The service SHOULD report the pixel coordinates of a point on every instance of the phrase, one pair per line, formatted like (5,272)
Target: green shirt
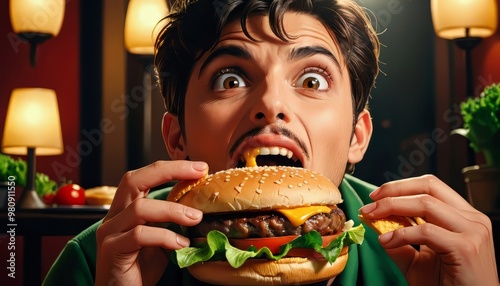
(368,264)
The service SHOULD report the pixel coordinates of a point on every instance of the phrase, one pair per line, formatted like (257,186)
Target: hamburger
(265,226)
(101,195)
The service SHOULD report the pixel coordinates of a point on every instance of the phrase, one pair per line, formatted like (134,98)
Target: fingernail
(199,166)
(374,193)
(368,208)
(192,213)
(182,241)
(386,237)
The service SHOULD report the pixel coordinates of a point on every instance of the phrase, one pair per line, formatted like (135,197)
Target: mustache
(278,130)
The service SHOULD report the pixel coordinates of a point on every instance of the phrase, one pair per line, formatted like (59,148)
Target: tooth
(274,150)
(283,152)
(264,151)
(289,154)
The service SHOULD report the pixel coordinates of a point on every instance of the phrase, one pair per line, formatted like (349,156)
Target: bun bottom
(286,271)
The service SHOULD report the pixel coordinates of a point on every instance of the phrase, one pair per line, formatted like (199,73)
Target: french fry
(391,223)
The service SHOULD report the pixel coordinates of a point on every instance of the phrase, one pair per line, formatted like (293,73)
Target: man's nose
(270,105)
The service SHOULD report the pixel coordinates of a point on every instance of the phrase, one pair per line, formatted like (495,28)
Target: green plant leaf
(482,120)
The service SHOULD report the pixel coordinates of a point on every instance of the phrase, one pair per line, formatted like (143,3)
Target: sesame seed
(214,196)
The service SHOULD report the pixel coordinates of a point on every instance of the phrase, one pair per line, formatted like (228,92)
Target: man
(295,75)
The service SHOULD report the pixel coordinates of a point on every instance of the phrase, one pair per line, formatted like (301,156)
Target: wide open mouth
(269,156)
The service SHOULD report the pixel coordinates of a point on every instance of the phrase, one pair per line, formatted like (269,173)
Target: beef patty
(267,224)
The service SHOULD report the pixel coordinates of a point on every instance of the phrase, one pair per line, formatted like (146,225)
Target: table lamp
(141,25)
(32,128)
(36,21)
(465,22)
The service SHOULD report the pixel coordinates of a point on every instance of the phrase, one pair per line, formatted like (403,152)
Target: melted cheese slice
(251,157)
(298,216)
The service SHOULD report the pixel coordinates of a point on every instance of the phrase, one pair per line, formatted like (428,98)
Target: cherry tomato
(48,198)
(70,194)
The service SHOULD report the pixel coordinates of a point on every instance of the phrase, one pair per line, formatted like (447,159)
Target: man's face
(289,100)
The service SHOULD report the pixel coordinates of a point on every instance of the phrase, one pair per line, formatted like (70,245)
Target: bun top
(255,188)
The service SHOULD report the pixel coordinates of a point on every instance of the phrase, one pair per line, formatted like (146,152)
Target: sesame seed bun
(256,188)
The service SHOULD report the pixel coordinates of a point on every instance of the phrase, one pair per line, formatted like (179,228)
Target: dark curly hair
(194,27)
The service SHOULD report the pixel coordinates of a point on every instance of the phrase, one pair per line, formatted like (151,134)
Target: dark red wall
(486,66)
(486,59)
(57,68)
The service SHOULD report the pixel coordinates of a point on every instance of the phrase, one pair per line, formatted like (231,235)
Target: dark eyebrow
(223,51)
(310,51)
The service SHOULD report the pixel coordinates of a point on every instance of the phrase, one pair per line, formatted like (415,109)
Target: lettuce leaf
(217,247)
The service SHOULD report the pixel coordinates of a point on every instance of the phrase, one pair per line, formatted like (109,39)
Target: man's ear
(361,137)
(172,135)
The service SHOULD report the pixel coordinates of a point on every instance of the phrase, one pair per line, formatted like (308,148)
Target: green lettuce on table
(18,169)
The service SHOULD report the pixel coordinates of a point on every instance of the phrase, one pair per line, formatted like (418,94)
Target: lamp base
(31,200)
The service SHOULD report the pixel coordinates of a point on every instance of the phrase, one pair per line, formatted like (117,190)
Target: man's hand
(129,250)
(456,243)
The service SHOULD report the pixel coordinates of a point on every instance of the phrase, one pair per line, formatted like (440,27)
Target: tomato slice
(274,243)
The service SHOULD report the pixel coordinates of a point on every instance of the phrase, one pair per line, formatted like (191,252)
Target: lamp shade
(32,121)
(141,27)
(451,18)
(37,16)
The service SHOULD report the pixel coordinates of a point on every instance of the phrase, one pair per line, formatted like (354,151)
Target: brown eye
(312,80)
(228,80)
(231,82)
